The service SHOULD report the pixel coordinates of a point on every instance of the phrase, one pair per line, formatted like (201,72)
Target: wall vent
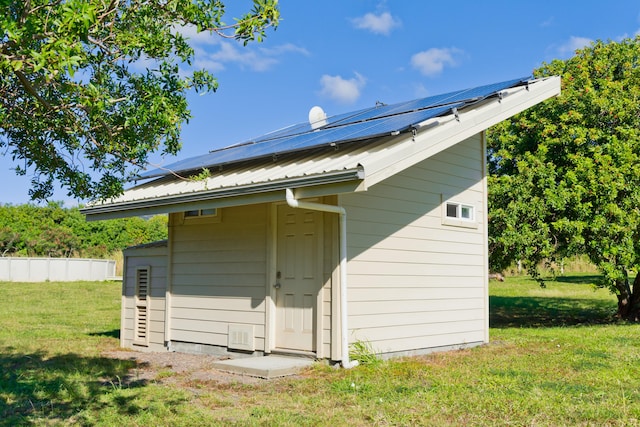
(141,310)
(241,337)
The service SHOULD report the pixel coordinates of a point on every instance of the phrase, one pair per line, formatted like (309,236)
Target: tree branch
(31,90)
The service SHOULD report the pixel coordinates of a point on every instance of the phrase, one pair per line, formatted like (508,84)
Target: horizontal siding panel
(466,153)
(428,342)
(209,327)
(208,303)
(126,334)
(377,216)
(456,237)
(155,262)
(199,337)
(423,320)
(157,326)
(402,211)
(407,294)
(412,331)
(192,256)
(219,280)
(156,315)
(445,174)
(393,281)
(456,162)
(218,233)
(436,182)
(221,291)
(358,308)
(229,316)
(374,268)
(219,268)
(207,338)
(326,324)
(158,291)
(413,255)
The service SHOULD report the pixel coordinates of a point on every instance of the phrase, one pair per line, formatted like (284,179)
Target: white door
(297,279)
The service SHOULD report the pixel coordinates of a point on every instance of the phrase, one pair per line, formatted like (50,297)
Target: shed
(366,226)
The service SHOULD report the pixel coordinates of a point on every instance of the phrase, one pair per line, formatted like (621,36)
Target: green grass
(556,357)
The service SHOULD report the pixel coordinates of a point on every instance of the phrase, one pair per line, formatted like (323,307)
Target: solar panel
(381,120)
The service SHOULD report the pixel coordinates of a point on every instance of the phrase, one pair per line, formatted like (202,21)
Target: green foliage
(364,353)
(90,88)
(54,231)
(565,175)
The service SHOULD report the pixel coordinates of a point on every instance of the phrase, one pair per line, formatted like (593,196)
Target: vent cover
(141,315)
(241,337)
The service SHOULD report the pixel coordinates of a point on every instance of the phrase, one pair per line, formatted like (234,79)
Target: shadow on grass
(542,312)
(579,279)
(115,333)
(34,387)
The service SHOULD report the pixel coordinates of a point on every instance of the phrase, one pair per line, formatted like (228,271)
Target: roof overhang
(204,198)
(347,168)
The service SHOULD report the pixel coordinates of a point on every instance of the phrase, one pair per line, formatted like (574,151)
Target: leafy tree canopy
(54,231)
(565,175)
(90,88)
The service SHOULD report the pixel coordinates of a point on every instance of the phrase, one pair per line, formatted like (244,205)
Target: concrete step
(271,366)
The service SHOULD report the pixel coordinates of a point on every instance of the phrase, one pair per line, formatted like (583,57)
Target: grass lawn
(555,358)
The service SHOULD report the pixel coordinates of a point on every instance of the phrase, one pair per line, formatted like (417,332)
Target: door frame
(270,294)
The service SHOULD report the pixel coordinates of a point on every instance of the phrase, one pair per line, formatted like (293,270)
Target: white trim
(450,130)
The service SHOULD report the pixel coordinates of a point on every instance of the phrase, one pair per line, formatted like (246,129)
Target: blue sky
(346,55)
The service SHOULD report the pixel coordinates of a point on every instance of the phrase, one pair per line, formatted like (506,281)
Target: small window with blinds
(199,216)
(141,316)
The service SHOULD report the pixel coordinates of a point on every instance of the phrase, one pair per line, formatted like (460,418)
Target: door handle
(277,284)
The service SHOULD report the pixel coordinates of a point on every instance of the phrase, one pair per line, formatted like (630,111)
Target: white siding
(155,258)
(218,275)
(415,283)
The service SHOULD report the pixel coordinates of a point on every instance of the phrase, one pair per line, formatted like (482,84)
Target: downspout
(294,203)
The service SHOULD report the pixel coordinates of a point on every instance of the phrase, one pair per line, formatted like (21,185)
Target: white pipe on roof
(294,203)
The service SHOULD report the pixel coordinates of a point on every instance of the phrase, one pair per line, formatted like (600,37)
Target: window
(460,211)
(201,212)
(201,216)
(458,214)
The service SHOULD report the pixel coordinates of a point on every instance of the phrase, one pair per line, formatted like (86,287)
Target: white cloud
(190,32)
(229,53)
(574,43)
(232,52)
(378,24)
(432,61)
(340,89)
(283,49)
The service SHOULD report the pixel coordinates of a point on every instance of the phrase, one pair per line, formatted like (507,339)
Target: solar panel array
(381,120)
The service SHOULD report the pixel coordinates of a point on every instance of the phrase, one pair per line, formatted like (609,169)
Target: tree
(90,88)
(55,231)
(565,175)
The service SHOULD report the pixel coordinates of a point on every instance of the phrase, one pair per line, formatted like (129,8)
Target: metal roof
(327,168)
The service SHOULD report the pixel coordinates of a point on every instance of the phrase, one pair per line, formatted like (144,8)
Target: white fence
(55,269)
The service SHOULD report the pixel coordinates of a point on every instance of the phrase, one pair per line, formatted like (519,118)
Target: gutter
(294,203)
(155,201)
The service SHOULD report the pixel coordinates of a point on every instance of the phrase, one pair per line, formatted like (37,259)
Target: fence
(56,269)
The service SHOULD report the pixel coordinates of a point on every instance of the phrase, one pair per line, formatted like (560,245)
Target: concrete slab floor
(268,367)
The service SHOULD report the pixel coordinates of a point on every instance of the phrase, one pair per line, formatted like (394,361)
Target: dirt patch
(178,368)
